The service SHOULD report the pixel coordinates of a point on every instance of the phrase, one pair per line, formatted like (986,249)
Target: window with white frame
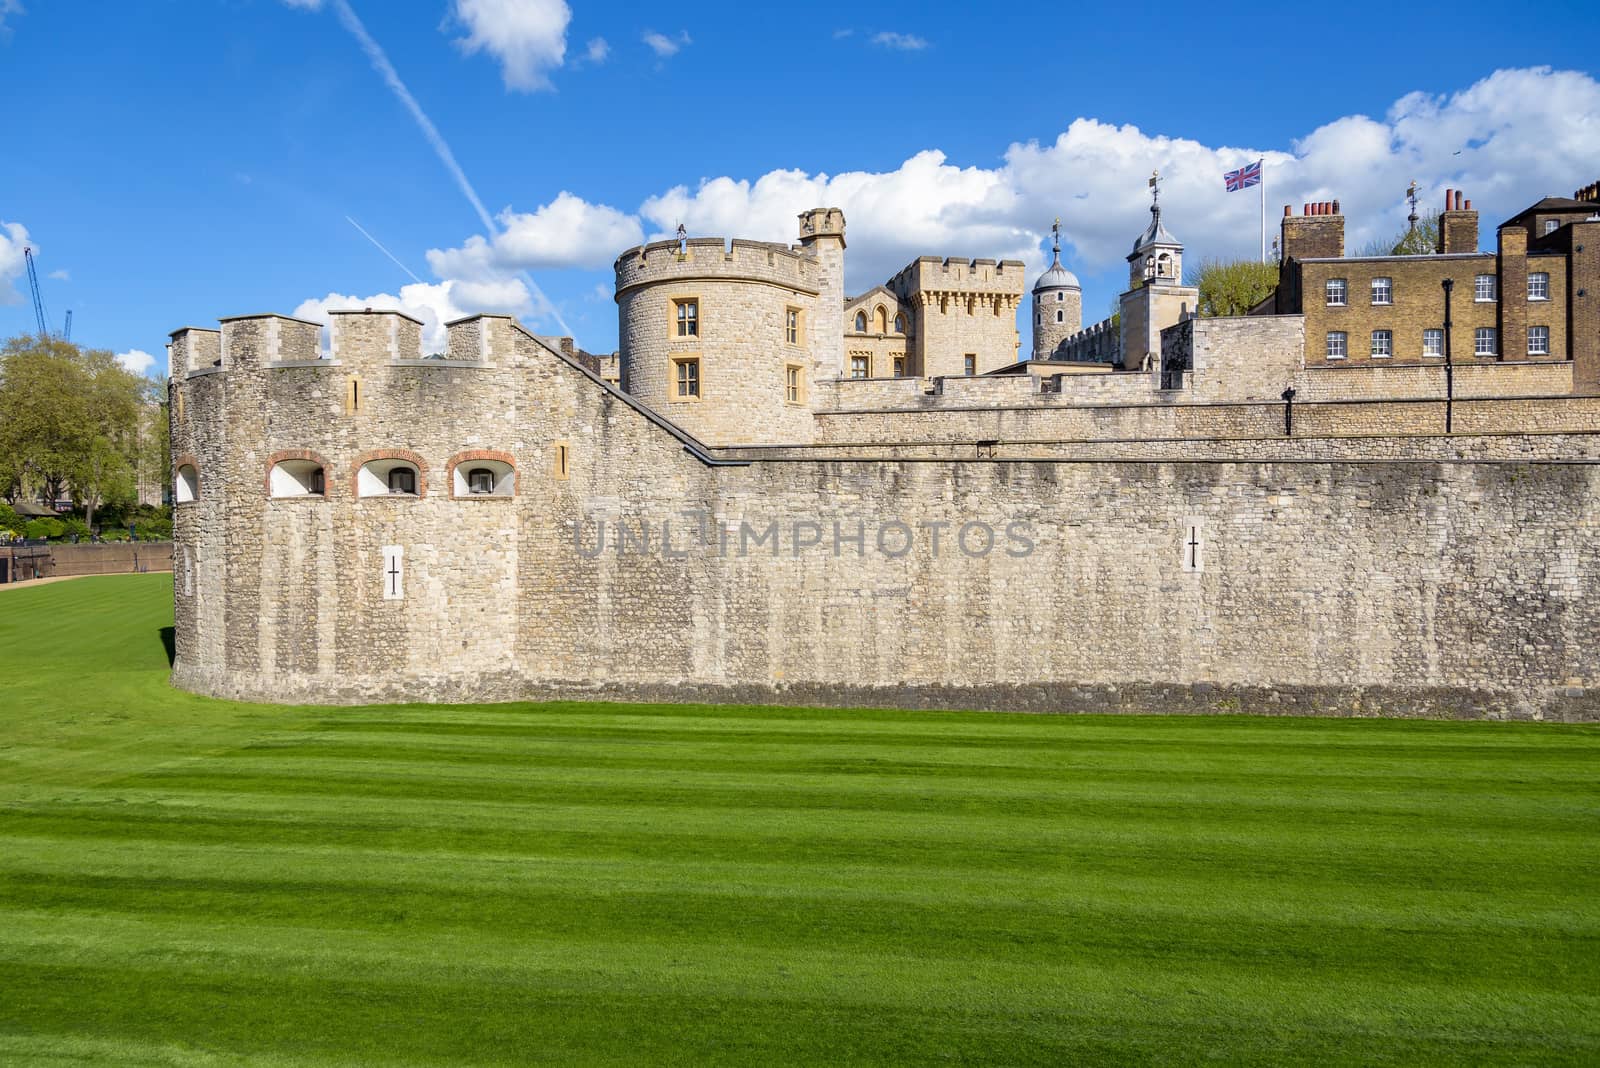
(1483,341)
(1539,286)
(1383,291)
(1538,341)
(1551,225)
(1433,342)
(1382,344)
(860,367)
(1336,291)
(1483,287)
(1336,344)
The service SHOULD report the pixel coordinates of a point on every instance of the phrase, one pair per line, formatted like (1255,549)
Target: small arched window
(1061,316)
(402,481)
(483,475)
(861,322)
(297,478)
(391,474)
(186,489)
(899,324)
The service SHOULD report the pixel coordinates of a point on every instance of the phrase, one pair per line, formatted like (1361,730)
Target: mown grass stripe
(188,881)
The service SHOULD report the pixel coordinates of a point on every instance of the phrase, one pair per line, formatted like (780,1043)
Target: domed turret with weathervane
(1057,303)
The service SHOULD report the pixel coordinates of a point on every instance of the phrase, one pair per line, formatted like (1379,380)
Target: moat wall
(1397,587)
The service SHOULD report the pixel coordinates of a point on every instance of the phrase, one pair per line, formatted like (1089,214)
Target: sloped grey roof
(1155,233)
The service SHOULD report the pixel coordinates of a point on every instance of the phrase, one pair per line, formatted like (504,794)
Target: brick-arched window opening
(398,473)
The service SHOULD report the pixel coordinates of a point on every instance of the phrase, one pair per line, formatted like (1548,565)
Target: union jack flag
(1243,178)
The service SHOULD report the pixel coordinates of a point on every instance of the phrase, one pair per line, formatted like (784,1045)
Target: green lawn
(191,881)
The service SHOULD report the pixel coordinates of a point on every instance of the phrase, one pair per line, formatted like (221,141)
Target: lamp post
(1449,366)
(1288,412)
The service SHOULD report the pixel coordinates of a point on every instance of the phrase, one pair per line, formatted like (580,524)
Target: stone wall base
(1556,704)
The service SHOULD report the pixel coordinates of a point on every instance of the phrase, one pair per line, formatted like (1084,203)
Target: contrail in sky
(380,63)
(383,250)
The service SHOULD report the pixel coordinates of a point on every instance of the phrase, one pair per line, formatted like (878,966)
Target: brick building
(1533,299)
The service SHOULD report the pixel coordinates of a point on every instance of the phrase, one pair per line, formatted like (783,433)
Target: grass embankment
(188,880)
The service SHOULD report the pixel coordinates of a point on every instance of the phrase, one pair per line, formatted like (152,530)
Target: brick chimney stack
(1458,224)
(1317,233)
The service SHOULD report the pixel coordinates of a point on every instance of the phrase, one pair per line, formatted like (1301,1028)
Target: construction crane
(38,302)
(66,331)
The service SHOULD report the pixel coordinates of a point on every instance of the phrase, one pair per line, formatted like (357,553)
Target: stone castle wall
(1450,587)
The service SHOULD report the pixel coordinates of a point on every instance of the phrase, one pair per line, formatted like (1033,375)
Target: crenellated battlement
(1100,343)
(955,275)
(715,258)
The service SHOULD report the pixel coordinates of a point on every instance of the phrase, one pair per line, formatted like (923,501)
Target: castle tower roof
(1155,235)
(1057,276)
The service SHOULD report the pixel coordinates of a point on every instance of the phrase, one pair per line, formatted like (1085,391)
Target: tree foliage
(1423,241)
(71,421)
(1232,287)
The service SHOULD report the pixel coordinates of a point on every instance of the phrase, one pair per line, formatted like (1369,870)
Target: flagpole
(1263,209)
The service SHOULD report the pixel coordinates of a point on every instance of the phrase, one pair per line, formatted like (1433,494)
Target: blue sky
(178,160)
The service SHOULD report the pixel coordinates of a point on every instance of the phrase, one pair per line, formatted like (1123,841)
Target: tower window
(480,476)
(861,322)
(860,366)
(899,366)
(1061,316)
(969,363)
(390,476)
(297,478)
(187,488)
(402,481)
(899,324)
(1060,297)
(686,378)
(793,384)
(791,326)
(686,314)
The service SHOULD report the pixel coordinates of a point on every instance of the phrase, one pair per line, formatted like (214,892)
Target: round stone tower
(727,338)
(1057,303)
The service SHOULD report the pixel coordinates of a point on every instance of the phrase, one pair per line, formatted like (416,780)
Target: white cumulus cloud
(596,50)
(136,360)
(567,232)
(13,239)
(528,37)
